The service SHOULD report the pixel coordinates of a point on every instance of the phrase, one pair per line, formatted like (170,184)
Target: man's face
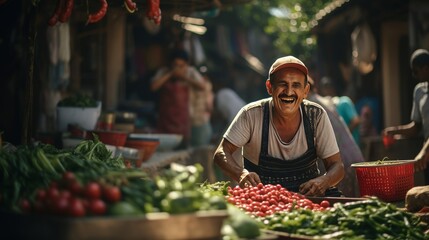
(288,89)
(179,67)
(421,73)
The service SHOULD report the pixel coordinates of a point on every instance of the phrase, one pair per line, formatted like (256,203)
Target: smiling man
(282,137)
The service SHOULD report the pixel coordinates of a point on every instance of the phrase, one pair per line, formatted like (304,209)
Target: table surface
(161,159)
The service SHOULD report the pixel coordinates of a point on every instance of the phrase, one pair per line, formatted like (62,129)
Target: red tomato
(68,177)
(25,206)
(252,194)
(273,201)
(65,194)
(264,208)
(76,208)
(41,194)
(85,203)
(97,207)
(75,188)
(112,194)
(61,205)
(52,193)
(93,190)
(325,204)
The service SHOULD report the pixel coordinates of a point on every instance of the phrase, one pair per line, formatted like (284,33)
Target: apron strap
(265,129)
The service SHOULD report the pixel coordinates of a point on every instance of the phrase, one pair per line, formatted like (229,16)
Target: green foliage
(289,29)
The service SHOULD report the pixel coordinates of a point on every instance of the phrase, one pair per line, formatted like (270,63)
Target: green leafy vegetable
(78,100)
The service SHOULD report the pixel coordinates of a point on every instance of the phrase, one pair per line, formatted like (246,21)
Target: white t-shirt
(246,131)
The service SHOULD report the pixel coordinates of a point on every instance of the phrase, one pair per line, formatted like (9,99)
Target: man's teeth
(288,100)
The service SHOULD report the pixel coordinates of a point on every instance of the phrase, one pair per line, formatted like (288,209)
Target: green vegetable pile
(367,219)
(87,180)
(178,192)
(27,168)
(78,100)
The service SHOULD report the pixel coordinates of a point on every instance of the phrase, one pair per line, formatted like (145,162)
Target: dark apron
(291,173)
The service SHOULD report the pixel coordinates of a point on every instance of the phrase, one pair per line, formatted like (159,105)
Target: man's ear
(307,89)
(269,87)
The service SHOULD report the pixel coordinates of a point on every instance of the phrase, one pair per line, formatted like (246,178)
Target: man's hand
(179,71)
(314,187)
(249,179)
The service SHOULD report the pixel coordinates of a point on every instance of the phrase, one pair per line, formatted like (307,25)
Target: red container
(387,180)
(148,146)
(115,138)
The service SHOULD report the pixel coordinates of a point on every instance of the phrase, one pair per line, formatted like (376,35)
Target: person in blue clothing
(345,107)
(419,125)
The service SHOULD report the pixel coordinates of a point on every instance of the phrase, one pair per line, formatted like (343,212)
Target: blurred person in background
(174,83)
(349,150)
(419,125)
(228,103)
(283,136)
(367,127)
(201,108)
(345,107)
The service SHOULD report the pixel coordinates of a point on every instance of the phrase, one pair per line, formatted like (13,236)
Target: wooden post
(30,34)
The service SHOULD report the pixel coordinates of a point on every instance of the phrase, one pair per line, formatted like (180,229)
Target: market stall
(86,193)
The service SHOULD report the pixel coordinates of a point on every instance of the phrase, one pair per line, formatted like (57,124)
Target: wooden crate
(199,225)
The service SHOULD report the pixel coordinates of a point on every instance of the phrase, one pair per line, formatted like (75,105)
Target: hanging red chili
(95,17)
(65,14)
(153,11)
(130,6)
(54,18)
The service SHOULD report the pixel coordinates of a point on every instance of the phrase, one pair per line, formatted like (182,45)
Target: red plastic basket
(387,180)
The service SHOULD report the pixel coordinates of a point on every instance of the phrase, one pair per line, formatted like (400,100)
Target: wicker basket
(387,180)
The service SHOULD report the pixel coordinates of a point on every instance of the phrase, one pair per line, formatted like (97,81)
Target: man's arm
(334,174)
(408,130)
(223,158)
(354,123)
(158,81)
(195,79)
(422,158)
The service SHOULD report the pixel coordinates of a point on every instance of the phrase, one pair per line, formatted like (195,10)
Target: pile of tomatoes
(68,197)
(264,200)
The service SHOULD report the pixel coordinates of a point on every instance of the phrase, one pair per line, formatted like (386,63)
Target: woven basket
(387,180)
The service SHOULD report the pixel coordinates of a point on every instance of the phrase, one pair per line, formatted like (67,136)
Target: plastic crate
(387,180)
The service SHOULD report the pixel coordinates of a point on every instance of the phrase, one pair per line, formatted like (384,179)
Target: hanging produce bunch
(64,8)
